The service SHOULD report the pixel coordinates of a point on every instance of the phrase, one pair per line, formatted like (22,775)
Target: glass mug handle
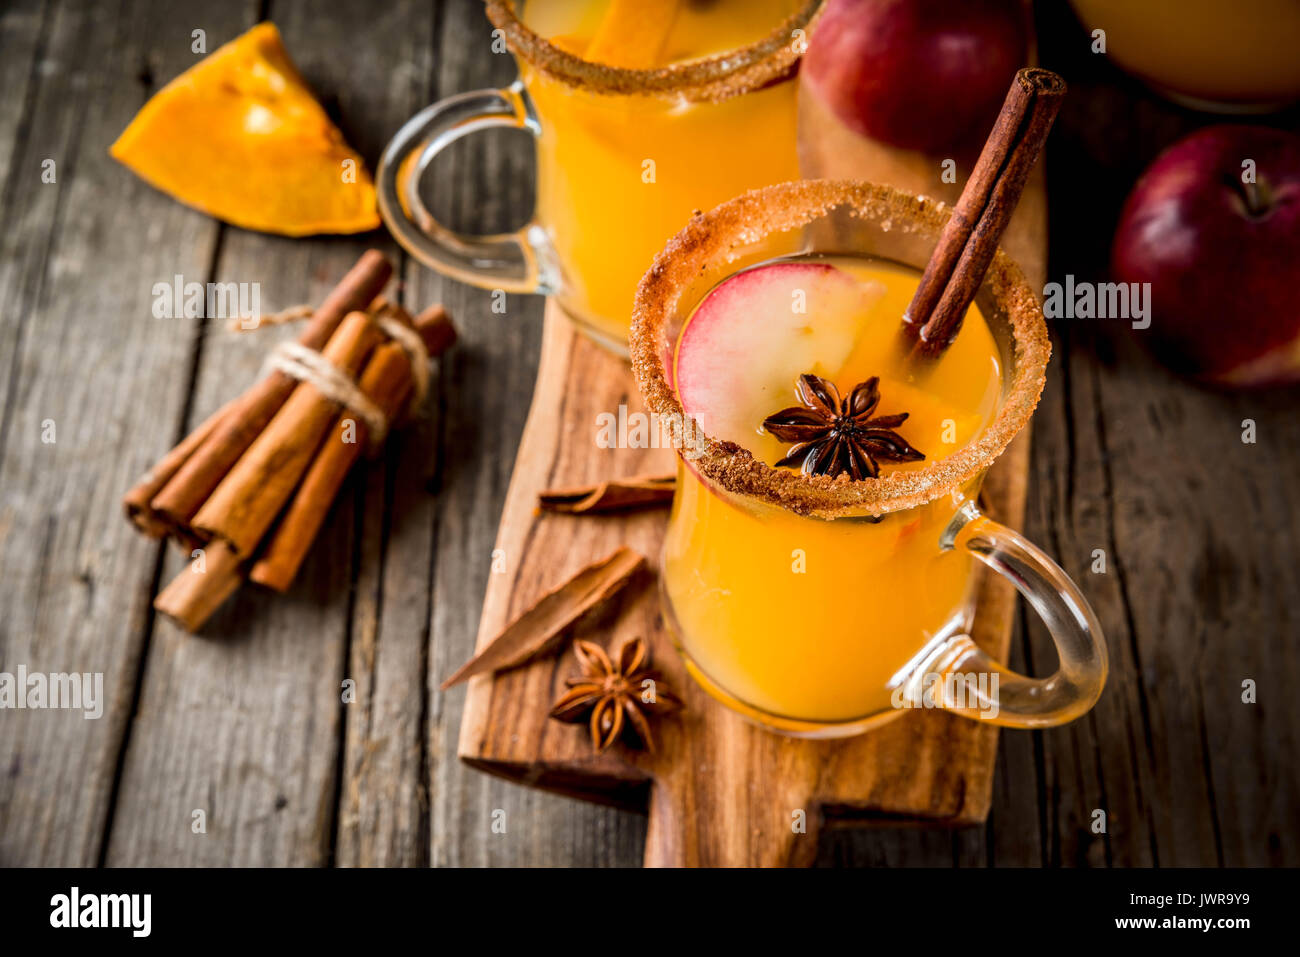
(988,690)
(518,262)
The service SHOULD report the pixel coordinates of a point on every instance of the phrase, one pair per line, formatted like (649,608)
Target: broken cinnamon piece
(200,589)
(539,628)
(616,495)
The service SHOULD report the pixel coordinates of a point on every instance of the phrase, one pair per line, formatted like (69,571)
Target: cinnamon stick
(615,495)
(136,501)
(247,500)
(198,475)
(539,629)
(387,381)
(199,590)
(968,241)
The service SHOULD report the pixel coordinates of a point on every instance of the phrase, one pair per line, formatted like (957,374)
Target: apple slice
(755,334)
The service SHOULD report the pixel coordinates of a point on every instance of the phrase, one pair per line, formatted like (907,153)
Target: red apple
(1222,255)
(921,74)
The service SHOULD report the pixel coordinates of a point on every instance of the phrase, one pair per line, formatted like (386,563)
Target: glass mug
(623,159)
(879,621)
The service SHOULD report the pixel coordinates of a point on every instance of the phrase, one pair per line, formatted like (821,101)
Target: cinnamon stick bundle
(174,490)
(968,241)
(265,481)
(246,501)
(387,382)
(254,482)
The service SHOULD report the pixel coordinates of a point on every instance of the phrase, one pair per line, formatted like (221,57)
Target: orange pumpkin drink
(642,112)
(772,359)
(817,569)
(616,178)
(619,174)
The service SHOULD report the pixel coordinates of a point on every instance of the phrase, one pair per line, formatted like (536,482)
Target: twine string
(307,365)
(416,352)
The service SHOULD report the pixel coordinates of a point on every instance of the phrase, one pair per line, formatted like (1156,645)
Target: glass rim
(712,238)
(713,78)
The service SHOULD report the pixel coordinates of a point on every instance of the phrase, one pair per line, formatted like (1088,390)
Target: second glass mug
(623,159)
(879,620)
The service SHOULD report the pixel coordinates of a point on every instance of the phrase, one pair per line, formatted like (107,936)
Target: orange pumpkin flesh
(240,137)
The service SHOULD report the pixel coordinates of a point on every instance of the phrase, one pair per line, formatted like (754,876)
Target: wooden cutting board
(719,791)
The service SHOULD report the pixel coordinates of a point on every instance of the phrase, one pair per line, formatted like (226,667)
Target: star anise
(835,435)
(614,698)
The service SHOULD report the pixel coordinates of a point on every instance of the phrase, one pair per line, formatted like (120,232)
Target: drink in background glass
(820,605)
(1241,56)
(643,111)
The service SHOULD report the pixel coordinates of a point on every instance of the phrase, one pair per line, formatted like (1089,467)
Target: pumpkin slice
(240,137)
(633,33)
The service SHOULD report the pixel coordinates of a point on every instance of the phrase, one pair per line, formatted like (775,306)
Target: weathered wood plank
(246,721)
(1206,527)
(85,358)
(23,34)
(485,184)
(1090,766)
(1199,530)
(383,811)
(1012,835)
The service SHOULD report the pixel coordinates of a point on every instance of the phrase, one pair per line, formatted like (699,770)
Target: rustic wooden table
(1200,531)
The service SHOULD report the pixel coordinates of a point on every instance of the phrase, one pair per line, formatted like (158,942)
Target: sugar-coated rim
(709,79)
(713,238)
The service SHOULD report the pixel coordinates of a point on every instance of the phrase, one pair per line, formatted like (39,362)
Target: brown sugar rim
(709,79)
(718,237)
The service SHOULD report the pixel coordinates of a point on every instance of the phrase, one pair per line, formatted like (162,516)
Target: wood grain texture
(84,356)
(24,34)
(1201,585)
(487,184)
(404,798)
(383,809)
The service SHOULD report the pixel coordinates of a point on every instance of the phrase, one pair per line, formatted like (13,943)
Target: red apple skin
(1225,281)
(920,74)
